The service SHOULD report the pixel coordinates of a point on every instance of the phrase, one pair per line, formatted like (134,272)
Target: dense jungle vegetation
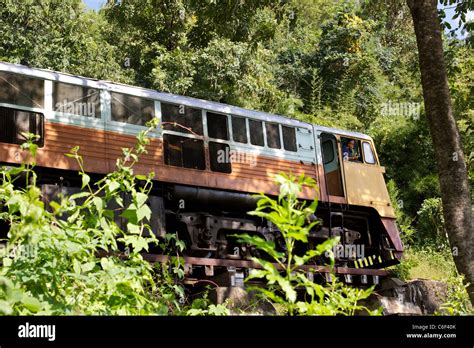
(350,65)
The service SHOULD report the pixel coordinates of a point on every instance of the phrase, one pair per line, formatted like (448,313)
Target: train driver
(349,153)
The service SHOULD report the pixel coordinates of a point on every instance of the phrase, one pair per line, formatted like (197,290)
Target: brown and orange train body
(201,152)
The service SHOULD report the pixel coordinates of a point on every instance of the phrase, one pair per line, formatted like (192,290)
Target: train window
(181,118)
(239,129)
(351,150)
(13,122)
(289,138)
(21,90)
(184,152)
(217,126)
(256,132)
(368,153)
(76,100)
(328,152)
(219,155)
(273,135)
(131,109)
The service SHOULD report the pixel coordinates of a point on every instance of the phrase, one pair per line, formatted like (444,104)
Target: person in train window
(349,153)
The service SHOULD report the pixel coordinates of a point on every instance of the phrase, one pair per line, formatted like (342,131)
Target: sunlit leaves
(57,259)
(284,275)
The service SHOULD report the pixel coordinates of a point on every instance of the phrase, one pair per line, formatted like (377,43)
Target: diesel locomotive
(208,159)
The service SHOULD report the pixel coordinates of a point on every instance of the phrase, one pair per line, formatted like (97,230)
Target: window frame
(263,132)
(279,135)
(283,138)
(39,131)
(325,161)
(89,118)
(247,135)
(182,155)
(227,125)
(122,123)
(187,134)
(359,141)
(34,103)
(371,151)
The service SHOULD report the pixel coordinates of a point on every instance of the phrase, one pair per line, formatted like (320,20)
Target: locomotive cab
(352,184)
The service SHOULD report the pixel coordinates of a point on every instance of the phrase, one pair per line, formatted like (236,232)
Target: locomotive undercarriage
(211,234)
(207,220)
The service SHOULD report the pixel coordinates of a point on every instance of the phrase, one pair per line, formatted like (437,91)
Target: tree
(57,35)
(457,206)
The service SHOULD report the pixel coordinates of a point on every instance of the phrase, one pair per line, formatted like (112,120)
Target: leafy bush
(283,275)
(203,306)
(404,222)
(403,269)
(427,263)
(458,302)
(56,267)
(430,224)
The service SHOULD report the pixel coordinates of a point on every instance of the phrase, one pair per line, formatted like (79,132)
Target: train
(209,159)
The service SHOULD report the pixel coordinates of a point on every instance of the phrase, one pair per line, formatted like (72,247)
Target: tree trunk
(449,155)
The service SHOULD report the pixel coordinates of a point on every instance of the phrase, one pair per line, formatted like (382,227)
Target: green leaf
(106,263)
(257,274)
(88,266)
(141,199)
(139,244)
(132,228)
(7,262)
(85,179)
(112,185)
(76,266)
(130,215)
(31,303)
(5,307)
(98,203)
(55,205)
(290,293)
(143,212)
(119,201)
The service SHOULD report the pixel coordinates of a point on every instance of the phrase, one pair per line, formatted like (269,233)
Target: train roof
(167,97)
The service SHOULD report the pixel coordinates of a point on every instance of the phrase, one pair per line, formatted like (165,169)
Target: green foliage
(58,267)
(458,302)
(403,269)
(428,262)
(202,306)
(328,63)
(430,224)
(404,222)
(283,274)
(349,69)
(431,263)
(14,299)
(58,35)
(408,153)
